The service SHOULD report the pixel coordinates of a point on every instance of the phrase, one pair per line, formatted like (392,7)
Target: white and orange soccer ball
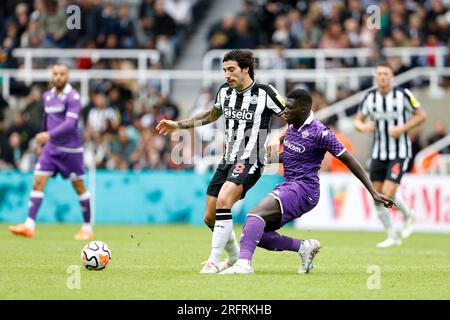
(95,255)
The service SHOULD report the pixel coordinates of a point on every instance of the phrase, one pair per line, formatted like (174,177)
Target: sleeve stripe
(341,153)
(275,96)
(280,113)
(72,115)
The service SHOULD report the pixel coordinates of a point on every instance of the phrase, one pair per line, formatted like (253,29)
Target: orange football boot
(22,230)
(84,235)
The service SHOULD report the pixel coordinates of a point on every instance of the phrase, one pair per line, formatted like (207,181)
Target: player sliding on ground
(248,107)
(305,144)
(62,152)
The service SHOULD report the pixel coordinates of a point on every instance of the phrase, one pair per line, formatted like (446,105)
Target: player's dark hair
(244,59)
(60,64)
(384,64)
(300,96)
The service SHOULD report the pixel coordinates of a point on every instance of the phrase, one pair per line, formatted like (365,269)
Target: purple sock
(251,234)
(276,242)
(86,207)
(35,202)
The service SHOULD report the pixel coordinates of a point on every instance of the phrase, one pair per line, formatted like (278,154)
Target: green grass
(162,262)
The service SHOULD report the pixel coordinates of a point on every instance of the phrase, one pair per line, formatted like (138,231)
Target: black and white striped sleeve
(364,105)
(218,100)
(275,101)
(411,102)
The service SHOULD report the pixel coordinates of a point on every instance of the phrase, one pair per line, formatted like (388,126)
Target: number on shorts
(239,168)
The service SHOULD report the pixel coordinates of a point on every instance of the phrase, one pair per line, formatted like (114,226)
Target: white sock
(30,223)
(385,218)
(244,262)
(221,234)
(402,207)
(86,227)
(232,247)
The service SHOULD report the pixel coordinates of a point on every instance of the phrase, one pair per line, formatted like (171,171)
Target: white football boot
(307,255)
(225,265)
(238,269)
(209,267)
(390,242)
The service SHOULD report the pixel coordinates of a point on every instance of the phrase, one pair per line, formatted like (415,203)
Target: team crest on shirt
(305,133)
(254,99)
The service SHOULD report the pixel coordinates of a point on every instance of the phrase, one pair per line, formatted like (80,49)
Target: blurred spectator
(351,27)
(53,23)
(109,24)
(169,110)
(33,35)
(127,116)
(126,28)
(437,23)
(33,112)
(164,30)
(222,34)
(439,132)
(282,33)
(147,153)
(102,118)
(244,37)
(333,38)
(180,11)
(25,132)
(11,151)
(21,18)
(121,150)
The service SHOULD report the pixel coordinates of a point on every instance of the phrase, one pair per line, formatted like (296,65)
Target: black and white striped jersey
(247,120)
(393,109)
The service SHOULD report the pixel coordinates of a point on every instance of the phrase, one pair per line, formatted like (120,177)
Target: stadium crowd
(119,130)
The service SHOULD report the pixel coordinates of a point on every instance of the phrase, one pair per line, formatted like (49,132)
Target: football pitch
(163,261)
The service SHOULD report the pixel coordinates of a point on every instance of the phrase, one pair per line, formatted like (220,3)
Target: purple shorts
(294,199)
(67,161)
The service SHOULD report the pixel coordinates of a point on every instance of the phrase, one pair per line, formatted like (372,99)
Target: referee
(393,111)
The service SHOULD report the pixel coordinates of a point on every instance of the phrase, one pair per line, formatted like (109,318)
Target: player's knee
(223,202)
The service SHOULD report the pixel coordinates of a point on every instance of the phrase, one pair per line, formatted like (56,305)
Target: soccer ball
(95,255)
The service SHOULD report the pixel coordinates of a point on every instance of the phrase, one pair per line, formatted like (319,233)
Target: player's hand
(369,127)
(166,126)
(386,201)
(42,137)
(396,132)
(272,147)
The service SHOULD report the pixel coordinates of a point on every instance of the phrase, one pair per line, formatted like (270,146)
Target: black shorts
(393,170)
(239,173)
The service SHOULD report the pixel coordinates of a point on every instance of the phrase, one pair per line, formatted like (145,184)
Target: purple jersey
(304,149)
(61,113)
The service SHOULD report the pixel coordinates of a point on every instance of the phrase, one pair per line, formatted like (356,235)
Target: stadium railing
(362,55)
(331,78)
(142,56)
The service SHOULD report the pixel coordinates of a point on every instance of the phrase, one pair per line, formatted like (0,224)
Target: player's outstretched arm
(357,169)
(168,126)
